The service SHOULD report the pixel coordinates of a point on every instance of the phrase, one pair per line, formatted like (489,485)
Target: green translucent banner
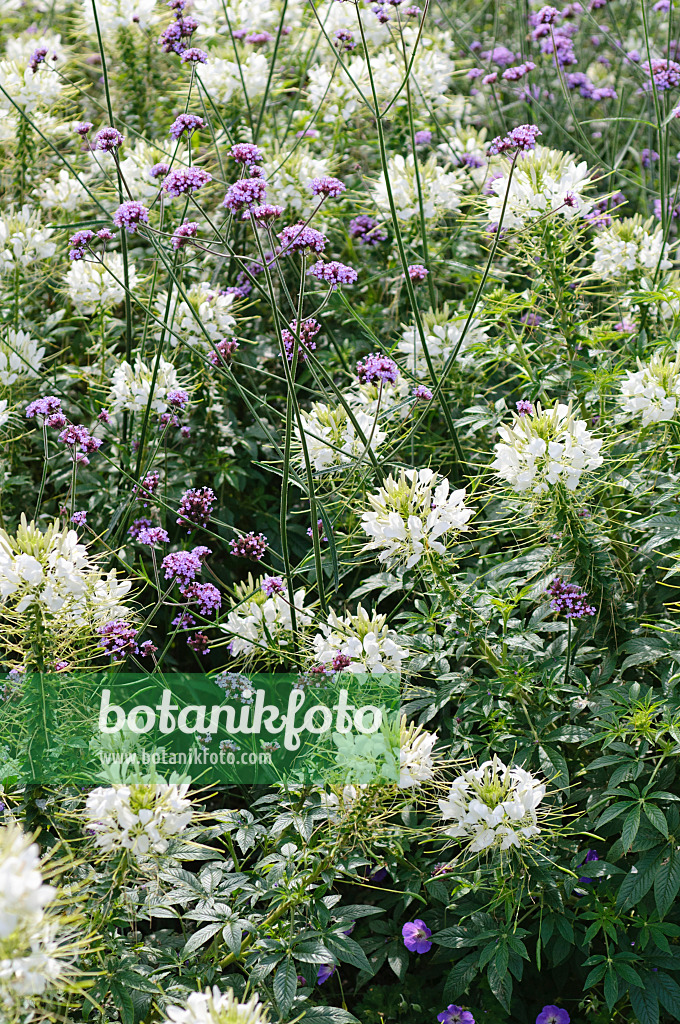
(104,728)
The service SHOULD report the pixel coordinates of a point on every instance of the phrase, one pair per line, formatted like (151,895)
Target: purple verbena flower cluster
(569,599)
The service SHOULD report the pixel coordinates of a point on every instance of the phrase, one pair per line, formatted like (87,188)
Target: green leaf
(200,937)
(233,936)
(645,1005)
(460,976)
(501,986)
(285,986)
(611,988)
(667,883)
(328,1015)
(640,879)
(667,992)
(631,825)
(554,766)
(656,816)
(348,950)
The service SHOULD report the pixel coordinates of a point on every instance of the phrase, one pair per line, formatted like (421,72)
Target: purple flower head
(319,530)
(199,643)
(205,595)
(184,566)
(83,128)
(521,138)
(297,238)
(195,507)
(105,234)
(553,1015)
(130,215)
(266,213)
(185,180)
(308,331)
(531,319)
(590,856)
(79,243)
(273,585)
(661,6)
(664,73)
(524,407)
(490,78)
(184,621)
(474,73)
(246,153)
(148,486)
(185,124)
(76,436)
(138,526)
(366,230)
(672,210)
(416,935)
(413,12)
(225,350)
(325,972)
(152,535)
(108,139)
(340,662)
(376,368)
(417,272)
(422,393)
(327,186)
(118,637)
(181,235)
(159,170)
(147,649)
(569,599)
(345,40)
(194,56)
(500,55)
(423,137)
(250,545)
(258,38)
(178,398)
(333,273)
(455,1015)
(246,192)
(519,71)
(648,157)
(79,518)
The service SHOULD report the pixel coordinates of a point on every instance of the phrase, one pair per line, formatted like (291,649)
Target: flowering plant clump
(383,300)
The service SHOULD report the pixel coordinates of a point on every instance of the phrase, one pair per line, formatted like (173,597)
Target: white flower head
(359,643)
(544,181)
(131,386)
(64,193)
(20,357)
(140,818)
(222,78)
(411,514)
(259,624)
(96,287)
(493,806)
(416,763)
(629,247)
(114,15)
(443,332)
(544,448)
(215,1007)
(29,89)
(441,189)
(208,307)
(23,240)
(653,391)
(332,439)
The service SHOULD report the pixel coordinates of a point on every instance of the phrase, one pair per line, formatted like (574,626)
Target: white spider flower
(136,163)
(222,78)
(544,448)
(384,400)
(416,763)
(20,357)
(251,15)
(131,386)
(23,240)
(544,181)
(63,193)
(653,391)
(339,802)
(140,818)
(33,940)
(96,287)
(331,437)
(359,643)
(493,806)
(29,89)
(22,47)
(208,307)
(443,332)
(410,514)
(289,180)
(53,571)
(629,246)
(114,15)
(441,189)
(259,623)
(215,1007)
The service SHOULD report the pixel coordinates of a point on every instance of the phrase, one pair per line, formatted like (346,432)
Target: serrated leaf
(328,1015)
(285,986)
(667,883)
(667,992)
(348,950)
(200,938)
(631,824)
(645,1005)
(501,986)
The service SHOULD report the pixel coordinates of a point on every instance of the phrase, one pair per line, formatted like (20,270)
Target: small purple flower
(413,11)
(83,128)
(522,138)
(366,230)
(417,272)
(524,407)
(246,153)
(258,38)
(266,213)
(377,368)
(205,595)
(148,486)
(569,599)
(422,393)
(327,186)
(648,157)
(76,436)
(185,124)
(79,518)
(455,1015)
(273,585)
(333,273)
(325,972)
(178,398)
(345,40)
(297,238)
(423,138)
(514,74)
(153,535)
(553,1015)
(193,55)
(225,350)
(199,643)
(664,73)
(185,181)
(184,566)
(118,637)
(181,235)
(147,649)
(530,319)
(319,530)
(195,507)
(308,331)
(79,243)
(105,235)
(490,78)
(246,192)
(416,935)
(250,545)
(138,526)
(108,139)
(130,215)
(159,170)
